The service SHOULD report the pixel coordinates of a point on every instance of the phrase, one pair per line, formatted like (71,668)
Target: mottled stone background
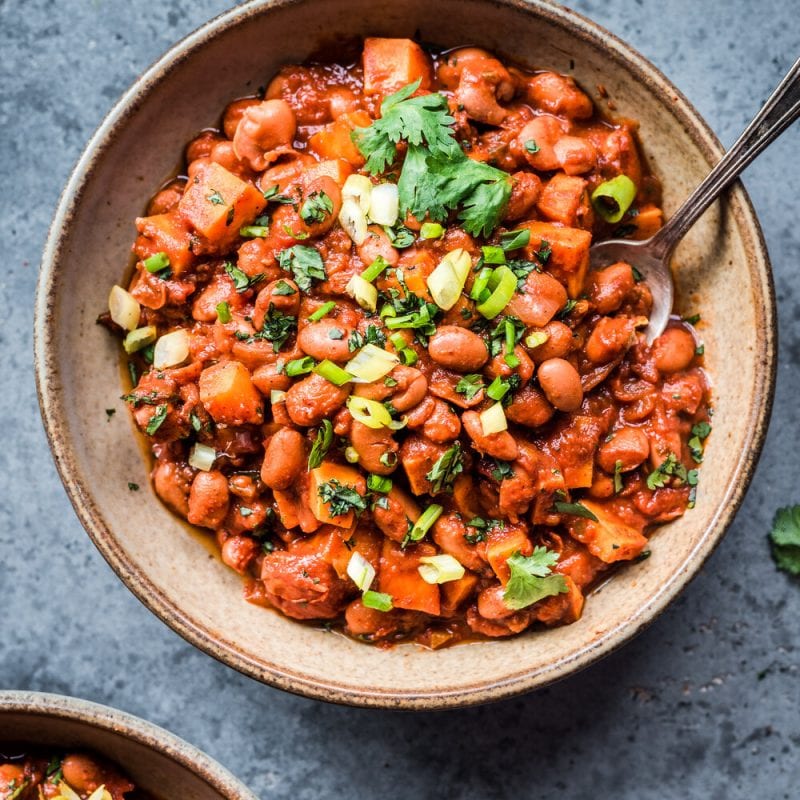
(705,704)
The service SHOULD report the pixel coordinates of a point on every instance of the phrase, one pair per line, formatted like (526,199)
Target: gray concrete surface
(705,704)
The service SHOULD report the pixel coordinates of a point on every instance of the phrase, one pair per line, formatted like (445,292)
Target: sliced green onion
(141,337)
(387,311)
(202,457)
(388,459)
(360,571)
(511,341)
(375,269)
(353,220)
(398,340)
(493,254)
(503,284)
(384,204)
(171,349)
(363,292)
(513,240)
(440,569)
(481,284)
(611,199)
(322,311)
(223,312)
(123,308)
(493,420)
(447,281)
(377,600)
(408,357)
(536,339)
(351,455)
(369,412)
(332,372)
(156,262)
(299,366)
(378,483)
(371,363)
(358,188)
(498,389)
(254,231)
(424,523)
(431,230)
(277,396)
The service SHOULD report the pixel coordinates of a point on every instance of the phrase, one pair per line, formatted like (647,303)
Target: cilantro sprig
(785,539)
(532,579)
(304,263)
(436,176)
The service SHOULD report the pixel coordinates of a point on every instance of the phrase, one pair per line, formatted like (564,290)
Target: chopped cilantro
(531,578)
(617,477)
(304,263)
(283,289)
(502,470)
(216,198)
(700,433)
(470,385)
(240,280)
(110,412)
(544,252)
(321,445)
(531,146)
(449,465)
(133,487)
(575,509)
(372,335)
(669,468)
(316,207)
(341,499)
(156,419)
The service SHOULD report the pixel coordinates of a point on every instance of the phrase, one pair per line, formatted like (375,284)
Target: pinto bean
(498,366)
(558,344)
(443,424)
(239,552)
(276,295)
(525,190)
(263,132)
(558,94)
(372,444)
(609,338)
(575,155)
(529,407)
(498,445)
(610,287)
(325,339)
(561,384)
(412,386)
(542,133)
(284,459)
(313,399)
(81,772)
(541,299)
(628,446)
(491,604)
(458,349)
(222,153)
(673,350)
(172,486)
(234,112)
(377,244)
(449,533)
(219,290)
(400,513)
(482,82)
(266,378)
(209,499)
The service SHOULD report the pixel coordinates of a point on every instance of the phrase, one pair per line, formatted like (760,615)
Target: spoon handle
(779,112)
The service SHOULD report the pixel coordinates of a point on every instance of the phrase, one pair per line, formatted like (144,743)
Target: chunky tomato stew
(30,774)
(370,356)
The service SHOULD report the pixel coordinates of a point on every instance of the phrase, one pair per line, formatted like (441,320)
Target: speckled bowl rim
(491,689)
(104,718)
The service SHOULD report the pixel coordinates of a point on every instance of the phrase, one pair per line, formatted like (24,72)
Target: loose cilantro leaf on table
(531,579)
(785,539)
(304,263)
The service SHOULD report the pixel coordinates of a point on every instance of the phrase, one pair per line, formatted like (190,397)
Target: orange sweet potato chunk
(165,233)
(336,168)
(569,258)
(217,203)
(501,545)
(228,394)
(335,139)
(609,539)
(561,198)
(346,476)
(400,578)
(390,64)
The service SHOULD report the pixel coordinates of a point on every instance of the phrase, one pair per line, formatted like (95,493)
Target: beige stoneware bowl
(156,761)
(724,273)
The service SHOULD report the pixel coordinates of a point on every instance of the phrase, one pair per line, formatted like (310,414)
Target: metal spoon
(651,257)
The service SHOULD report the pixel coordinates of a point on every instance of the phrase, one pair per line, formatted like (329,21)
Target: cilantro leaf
(531,579)
(304,263)
(417,120)
(321,444)
(785,539)
(155,421)
(341,499)
(470,385)
(447,467)
(669,468)
(316,208)
(576,510)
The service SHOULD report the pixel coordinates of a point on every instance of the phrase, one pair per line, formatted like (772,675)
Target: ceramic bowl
(138,146)
(156,761)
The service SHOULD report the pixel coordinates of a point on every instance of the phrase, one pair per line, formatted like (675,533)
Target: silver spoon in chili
(651,256)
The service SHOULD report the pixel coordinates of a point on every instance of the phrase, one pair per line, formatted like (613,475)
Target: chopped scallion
(611,199)
(375,269)
(424,523)
(156,262)
(223,312)
(332,372)
(378,483)
(431,230)
(322,311)
(299,366)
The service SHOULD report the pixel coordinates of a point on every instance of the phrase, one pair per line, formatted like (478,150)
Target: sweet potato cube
(454,593)
(361,540)
(501,545)
(569,252)
(217,203)
(335,139)
(293,508)
(647,222)
(399,577)
(561,609)
(228,394)
(390,64)
(609,539)
(347,477)
(336,168)
(165,233)
(561,198)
